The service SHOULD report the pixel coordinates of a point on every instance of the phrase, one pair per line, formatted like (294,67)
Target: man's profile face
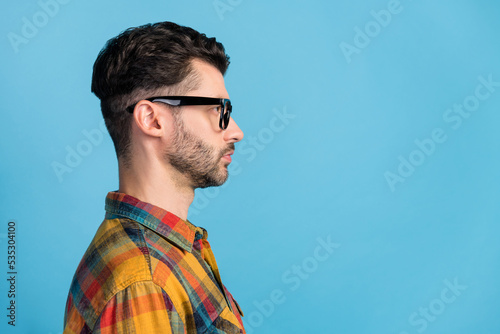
(199,149)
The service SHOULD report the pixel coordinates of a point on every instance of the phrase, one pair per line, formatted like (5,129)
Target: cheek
(203,125)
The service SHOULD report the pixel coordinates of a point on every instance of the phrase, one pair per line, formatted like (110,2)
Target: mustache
(229,148)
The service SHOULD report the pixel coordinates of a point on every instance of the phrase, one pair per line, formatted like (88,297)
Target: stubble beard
(196,160)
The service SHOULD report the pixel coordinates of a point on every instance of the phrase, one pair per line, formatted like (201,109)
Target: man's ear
(148,118)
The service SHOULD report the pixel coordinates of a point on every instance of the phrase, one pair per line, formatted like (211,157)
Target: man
(148,269)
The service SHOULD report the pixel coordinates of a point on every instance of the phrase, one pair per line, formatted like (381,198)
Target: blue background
(319,173)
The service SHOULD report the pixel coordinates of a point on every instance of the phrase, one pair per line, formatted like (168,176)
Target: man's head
(165,59)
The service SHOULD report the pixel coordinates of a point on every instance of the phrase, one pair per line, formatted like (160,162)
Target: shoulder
(116,258)
(118,254)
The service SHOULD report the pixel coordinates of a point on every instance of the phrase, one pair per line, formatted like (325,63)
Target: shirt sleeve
(141,308)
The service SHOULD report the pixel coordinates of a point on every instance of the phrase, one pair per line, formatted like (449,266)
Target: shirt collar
(178,231)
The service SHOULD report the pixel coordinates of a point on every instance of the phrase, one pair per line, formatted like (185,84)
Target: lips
(227,156)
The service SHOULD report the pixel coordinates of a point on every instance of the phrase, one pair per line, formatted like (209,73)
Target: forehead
(211,81)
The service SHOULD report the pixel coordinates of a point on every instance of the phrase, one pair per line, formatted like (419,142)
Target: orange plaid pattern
(148,271)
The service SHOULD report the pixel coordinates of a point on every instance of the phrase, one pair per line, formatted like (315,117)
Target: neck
(152,183)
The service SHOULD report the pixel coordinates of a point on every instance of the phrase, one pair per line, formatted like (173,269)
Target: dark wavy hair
(143,61)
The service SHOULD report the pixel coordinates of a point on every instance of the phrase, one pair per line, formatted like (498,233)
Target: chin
(217,180)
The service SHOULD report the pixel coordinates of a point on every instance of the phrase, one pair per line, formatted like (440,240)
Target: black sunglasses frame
(176,101)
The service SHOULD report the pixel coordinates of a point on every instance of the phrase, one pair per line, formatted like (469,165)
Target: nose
(233,133)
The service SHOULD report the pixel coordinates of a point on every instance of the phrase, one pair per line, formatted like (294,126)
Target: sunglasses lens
(227,114)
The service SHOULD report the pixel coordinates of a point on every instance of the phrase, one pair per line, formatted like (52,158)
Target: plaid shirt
(148,271)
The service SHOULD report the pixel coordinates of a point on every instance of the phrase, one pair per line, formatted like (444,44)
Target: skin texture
(196,159)
(176,151)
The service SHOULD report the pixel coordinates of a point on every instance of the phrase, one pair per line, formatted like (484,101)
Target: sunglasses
(176,101)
